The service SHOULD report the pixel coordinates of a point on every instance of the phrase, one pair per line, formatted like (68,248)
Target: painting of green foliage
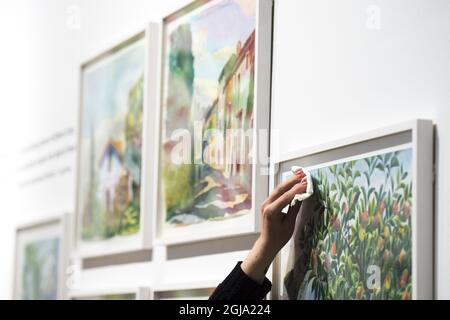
(40,270)
(360,245)
(111,143)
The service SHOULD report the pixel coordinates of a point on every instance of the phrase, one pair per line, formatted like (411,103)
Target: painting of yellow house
(209,71)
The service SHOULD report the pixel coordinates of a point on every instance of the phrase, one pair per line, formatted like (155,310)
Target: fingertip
(299,173)
(299,186)
(299,189)
(295,180)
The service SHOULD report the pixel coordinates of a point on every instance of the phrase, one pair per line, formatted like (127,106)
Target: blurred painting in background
(40,259)
(40,270)
(111,143)
(361,245)
(208,90)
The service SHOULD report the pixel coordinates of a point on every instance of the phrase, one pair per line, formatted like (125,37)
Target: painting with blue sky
(208,85)
(111,143)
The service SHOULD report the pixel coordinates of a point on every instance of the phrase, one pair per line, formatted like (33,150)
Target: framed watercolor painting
(115,136)
(368,232)
(41,259)
(215,102)
(141,293)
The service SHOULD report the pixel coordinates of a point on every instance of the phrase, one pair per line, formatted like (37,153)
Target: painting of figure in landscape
(208,92)
(40,270)
(111,143)
(360,247)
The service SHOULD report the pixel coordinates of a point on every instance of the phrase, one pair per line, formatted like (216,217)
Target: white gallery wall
(340,67)
(334,77)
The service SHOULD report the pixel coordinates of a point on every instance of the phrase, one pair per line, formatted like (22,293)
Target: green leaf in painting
(366,174)
(394,162)
(342,172)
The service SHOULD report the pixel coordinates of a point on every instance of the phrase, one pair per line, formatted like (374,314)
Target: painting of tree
(361,245)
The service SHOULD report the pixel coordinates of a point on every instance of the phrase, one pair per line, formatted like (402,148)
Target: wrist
(259,259)
(266,249)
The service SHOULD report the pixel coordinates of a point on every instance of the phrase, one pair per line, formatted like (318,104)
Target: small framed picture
(367,233)
(41,259)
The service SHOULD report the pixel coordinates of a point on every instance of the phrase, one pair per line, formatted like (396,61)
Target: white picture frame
(250,224)
(54,227)
(143,239)
(139,293)
(420,137)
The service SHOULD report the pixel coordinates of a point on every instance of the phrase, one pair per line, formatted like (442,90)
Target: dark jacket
(238,286)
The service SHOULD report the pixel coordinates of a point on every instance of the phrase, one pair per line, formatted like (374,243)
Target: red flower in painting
(395,207)
(376,220)
(405,295)
(402,256)
(406,209)
(404,278)
(333,249)
(365,217)
(337,224)
(360,292)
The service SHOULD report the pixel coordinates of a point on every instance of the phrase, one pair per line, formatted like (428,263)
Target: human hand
(277,227)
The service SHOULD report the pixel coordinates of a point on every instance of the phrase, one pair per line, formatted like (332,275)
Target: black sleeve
(238,286)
